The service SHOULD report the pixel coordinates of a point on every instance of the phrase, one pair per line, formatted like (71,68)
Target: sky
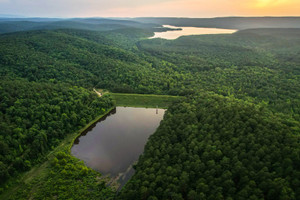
(149,8)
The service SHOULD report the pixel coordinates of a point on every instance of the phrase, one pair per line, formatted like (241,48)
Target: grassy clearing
(143,100)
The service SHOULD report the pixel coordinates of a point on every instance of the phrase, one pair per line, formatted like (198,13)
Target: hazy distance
(151,8)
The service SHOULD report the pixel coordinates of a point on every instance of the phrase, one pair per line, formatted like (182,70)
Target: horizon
(91,17)
(153,8)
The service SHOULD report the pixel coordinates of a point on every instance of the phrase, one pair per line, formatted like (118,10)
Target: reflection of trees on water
(90,128)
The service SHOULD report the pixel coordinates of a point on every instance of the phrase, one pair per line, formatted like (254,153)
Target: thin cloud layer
(135,8)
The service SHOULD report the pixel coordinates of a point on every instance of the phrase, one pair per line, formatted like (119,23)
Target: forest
(36,116)
(232,134)
(212,147)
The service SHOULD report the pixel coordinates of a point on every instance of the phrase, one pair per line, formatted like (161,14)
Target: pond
(112,145)
(174,34)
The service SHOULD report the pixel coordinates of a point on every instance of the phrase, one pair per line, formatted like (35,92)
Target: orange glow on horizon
(212,8)
(151,8)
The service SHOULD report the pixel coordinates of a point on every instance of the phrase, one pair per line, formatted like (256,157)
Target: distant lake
(113,144)
(171,35)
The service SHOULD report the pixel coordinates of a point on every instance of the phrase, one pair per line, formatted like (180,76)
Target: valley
(228,105)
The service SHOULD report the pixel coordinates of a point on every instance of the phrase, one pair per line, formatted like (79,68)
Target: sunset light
(136,8)
(272,3)
(150,100)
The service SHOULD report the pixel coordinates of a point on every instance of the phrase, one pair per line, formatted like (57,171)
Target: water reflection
(113,144)
(171,35)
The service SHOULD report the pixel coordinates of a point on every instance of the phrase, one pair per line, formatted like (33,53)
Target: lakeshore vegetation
(211,147)
(231,130)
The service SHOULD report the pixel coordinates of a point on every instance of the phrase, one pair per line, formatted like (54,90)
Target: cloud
(68,8)
(134,8)
(182,8)
(163,9)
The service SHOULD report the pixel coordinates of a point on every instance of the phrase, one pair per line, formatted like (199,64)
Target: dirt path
(98,93)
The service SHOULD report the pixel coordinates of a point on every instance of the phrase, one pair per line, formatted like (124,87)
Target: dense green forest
(212,147)
(65,178)
(234,134)
(35,117)
(261,65)
(92,24)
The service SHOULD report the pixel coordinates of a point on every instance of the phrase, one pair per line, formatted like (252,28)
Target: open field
(143,100)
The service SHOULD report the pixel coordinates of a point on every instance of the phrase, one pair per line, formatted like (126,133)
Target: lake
(171,35)
(113,144)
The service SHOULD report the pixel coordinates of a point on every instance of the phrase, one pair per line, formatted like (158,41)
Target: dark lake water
(112,145)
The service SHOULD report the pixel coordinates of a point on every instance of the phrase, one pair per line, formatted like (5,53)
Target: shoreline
(39,170)
(89,125)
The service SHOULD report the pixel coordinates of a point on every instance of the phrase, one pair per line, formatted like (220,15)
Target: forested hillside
(211,147)
(239,23)
(8,25)
(234,134)
(36,116)
(258,65)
